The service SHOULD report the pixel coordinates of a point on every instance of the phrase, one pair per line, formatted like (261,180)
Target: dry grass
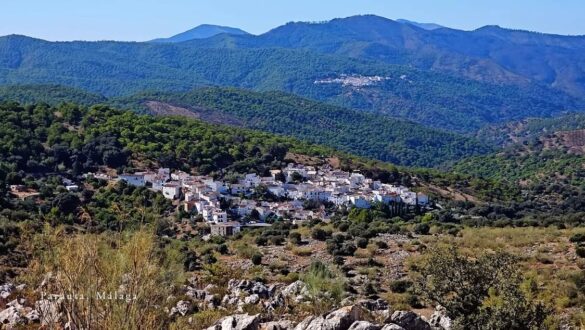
(89,274)
(302,251)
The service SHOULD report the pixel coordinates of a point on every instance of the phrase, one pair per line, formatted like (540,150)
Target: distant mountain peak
(424,26)
(202,31)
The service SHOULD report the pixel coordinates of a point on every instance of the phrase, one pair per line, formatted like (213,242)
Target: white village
(291,188)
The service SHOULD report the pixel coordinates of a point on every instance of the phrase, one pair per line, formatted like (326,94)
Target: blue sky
(147,19)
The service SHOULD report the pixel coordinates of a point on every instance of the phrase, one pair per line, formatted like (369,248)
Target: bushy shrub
(580,251)
(400,286)
(257,259)
(577,238)
(295,238)
(362,243)
(479,292)
(319,234)
(422,229)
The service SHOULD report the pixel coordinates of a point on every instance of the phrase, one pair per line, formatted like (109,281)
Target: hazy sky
(147,19)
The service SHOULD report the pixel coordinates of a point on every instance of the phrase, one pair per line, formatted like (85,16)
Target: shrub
(321,279)
(362,243)
(400,286)
(261,241)
(319,234)
(483,292)
(580,251)
(577,238)
(222,249)
(257,259)
(422,229)
(295,238)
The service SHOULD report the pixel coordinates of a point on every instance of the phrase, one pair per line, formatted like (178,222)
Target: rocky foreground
(238,297)
(345,318)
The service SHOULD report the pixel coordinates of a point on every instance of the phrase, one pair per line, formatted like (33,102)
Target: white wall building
(171,190)
(133,179)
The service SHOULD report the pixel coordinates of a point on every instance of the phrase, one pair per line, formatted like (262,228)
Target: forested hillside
(531,128)
(549,169)
(50,94)
(369,135)
(428,97)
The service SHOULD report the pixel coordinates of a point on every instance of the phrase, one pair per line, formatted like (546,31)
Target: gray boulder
(49,311)
(340,319)
(392,327)
(12,317)
(183,307)
(238,322)
(277,325)
(440,320)
(305,323)
(373,305)
(364,325)
(409,320)
(6,290)
(252,299)
(296,288)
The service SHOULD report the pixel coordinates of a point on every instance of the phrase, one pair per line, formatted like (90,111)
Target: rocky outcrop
(48,311)
(439,319)
(6,290)
(277,325)
(237,322)
(364,325)
(297,291)
(182,308)
(340,319)
(409,320)
(17,314)
(392,327)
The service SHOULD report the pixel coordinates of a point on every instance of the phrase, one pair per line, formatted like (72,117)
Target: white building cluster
(302,183)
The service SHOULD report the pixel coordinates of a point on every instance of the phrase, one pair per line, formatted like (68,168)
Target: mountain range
(490,53)
(202,31)
(330,62)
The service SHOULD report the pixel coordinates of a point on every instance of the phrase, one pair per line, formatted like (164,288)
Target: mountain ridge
(202,31)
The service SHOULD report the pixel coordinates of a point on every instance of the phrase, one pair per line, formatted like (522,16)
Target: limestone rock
(364,325)
(340,319)
(6,290)
(409,320)
(238,322)
(392,327)
(49,311)
(277,325)
(440,320)
(182,308)
(11,316)
(252,299)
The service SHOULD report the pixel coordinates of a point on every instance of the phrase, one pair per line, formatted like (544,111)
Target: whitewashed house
(133,179)
(171,190)
(219,216)
(359,202)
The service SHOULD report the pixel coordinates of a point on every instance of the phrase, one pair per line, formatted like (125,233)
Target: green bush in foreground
(483,292)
